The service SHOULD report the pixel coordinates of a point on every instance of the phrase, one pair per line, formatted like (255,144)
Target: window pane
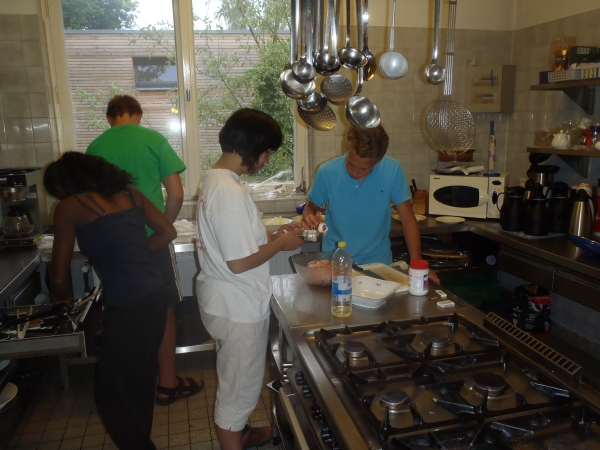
(125,49)
(241,48)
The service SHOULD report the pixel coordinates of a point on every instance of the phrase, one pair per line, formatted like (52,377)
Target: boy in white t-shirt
(234,285)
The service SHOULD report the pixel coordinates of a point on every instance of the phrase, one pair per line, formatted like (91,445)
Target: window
(156,73)
(181,69)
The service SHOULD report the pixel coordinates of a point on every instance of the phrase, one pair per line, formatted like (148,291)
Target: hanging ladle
(392,64)
(435,73)
(371,65)
(361,112)
(351,58)
(289,84)
(303,70)
(328,63)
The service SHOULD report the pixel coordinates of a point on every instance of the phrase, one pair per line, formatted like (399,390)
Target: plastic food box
(371,293)
(564,75)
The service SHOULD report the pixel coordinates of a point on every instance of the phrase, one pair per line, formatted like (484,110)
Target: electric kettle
(17,222)
(583,213)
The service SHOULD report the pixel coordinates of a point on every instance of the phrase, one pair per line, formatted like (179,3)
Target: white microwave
(465,196)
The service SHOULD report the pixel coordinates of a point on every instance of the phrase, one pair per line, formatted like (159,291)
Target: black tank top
(118,245)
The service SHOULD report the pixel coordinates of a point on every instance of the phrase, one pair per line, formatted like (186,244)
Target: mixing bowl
(315,277)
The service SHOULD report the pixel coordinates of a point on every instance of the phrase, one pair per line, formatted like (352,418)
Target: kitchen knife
(412,190)
(414,184)
(366,272)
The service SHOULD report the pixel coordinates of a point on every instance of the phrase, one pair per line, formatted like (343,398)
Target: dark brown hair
(368,144)
(249,133)
(76,173)
(121,104)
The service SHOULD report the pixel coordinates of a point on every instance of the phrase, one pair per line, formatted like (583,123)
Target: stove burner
(488,382)
(355,349)
(439,339)
(566,443)
(392,398)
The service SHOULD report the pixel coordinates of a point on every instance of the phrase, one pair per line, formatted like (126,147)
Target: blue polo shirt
(359,213)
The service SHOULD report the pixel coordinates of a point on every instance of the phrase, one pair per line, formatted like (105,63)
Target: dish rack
(564,75)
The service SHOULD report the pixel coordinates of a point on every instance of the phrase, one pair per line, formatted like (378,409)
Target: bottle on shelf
(341,285)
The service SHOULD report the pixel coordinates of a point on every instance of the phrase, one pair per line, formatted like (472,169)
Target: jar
(418,277)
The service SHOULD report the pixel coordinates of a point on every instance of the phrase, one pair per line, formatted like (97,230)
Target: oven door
(295,432)
(458,196)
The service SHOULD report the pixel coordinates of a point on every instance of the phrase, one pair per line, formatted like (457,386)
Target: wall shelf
(578,160)
(582,92)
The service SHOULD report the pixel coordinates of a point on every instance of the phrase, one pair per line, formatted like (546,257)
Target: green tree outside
(98,14)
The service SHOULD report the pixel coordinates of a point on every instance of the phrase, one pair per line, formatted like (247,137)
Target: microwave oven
(465,196)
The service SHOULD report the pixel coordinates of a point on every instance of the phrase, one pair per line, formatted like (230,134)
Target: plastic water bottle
(341,286)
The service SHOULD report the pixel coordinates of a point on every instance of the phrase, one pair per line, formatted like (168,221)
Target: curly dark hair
(121,104)
(368,144)
(249,133)
(76,173)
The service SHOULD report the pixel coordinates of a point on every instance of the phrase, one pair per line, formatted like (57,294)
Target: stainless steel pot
(543,174)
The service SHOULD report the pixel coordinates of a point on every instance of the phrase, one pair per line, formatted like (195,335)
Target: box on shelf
(589,70)
(564,75)
(581,54)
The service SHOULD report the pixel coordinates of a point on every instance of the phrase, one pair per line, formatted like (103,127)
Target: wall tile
(30,27)
(36,81)
(15,104)
(4,162)
(2,132)
(41,130)
(21,155)
(18,131)
(13,79)
(12,54)
(38,103)
(32,53)
(10,29)
(44,154)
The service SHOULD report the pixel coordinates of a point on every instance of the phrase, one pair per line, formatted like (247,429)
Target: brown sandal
(178,392)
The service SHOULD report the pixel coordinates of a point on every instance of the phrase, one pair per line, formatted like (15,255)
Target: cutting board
(387,273)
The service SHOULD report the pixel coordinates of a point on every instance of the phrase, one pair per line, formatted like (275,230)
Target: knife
(414,183)
(366,272)
(412,190)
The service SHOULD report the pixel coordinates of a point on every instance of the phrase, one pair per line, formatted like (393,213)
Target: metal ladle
(303,70)
(336,87)
(435,73)
(351,58)
(371,65)
(392,64)
(361,112)
(289,84)
(328,63)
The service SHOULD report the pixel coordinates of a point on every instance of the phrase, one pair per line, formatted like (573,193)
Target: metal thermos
(536,217)
(583,213)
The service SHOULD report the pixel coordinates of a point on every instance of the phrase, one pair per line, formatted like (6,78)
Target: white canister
(418,277)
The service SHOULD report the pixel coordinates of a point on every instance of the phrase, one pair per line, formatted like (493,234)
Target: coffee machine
(23,204)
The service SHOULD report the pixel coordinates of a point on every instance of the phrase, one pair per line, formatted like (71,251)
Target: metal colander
(450,126)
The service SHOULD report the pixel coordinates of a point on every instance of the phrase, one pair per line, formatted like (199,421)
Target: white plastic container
(341,285)
(418,277)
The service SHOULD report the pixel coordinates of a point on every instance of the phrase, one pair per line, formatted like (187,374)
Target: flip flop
(178,392)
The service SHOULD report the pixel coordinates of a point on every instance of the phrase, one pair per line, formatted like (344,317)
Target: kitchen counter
(16,264)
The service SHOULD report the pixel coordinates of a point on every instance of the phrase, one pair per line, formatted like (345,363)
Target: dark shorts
(168,268)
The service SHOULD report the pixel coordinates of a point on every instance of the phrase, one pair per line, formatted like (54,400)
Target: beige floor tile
(54,445)
(259,414)
(196,402)
(199,424)
(180,447)
(200,413)
(178,416)
(160,419)
(200,436)
(179,427)
(30,438)
(207,445)
(53,434)
(78,431)
(94,418)
(179,439)
(93,440)
(40,415)
(98,447)
(61,413)
(161,441)
(95,428)
(35,427)
(71,444)
(180,405)
(45,406)
(57,423)
(160,430)
(110,447)
(81,420)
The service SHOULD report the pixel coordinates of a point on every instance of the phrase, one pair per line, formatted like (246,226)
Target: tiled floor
(61,419)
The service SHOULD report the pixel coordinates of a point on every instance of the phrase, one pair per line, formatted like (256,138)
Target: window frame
(186,70)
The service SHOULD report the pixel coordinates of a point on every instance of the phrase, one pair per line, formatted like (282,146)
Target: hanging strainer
(450,126)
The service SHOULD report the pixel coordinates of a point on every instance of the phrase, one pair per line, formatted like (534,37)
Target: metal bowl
(315,277)
(14,194)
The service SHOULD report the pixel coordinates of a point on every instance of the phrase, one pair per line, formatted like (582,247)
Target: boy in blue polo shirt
(357,189)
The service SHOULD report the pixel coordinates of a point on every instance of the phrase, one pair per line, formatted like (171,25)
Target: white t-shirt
(230,228)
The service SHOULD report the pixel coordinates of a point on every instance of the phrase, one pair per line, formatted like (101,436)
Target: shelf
(582,92)
(579,160)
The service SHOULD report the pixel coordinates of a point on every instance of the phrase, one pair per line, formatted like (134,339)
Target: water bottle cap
(341,244)
(419,264)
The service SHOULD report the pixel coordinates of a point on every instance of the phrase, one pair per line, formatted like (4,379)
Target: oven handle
(299,439)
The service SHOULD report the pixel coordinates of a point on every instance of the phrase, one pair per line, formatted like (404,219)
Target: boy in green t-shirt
(147,155)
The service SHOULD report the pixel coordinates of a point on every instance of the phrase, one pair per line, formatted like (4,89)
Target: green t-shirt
(145,154)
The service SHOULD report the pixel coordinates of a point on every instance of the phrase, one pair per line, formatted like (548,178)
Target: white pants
(241,358)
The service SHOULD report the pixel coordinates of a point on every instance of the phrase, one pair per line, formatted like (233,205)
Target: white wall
(19,7)
(535,12)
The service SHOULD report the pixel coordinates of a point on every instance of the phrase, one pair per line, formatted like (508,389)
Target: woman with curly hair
(100,207)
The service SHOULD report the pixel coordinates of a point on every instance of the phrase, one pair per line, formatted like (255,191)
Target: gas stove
(447,383)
